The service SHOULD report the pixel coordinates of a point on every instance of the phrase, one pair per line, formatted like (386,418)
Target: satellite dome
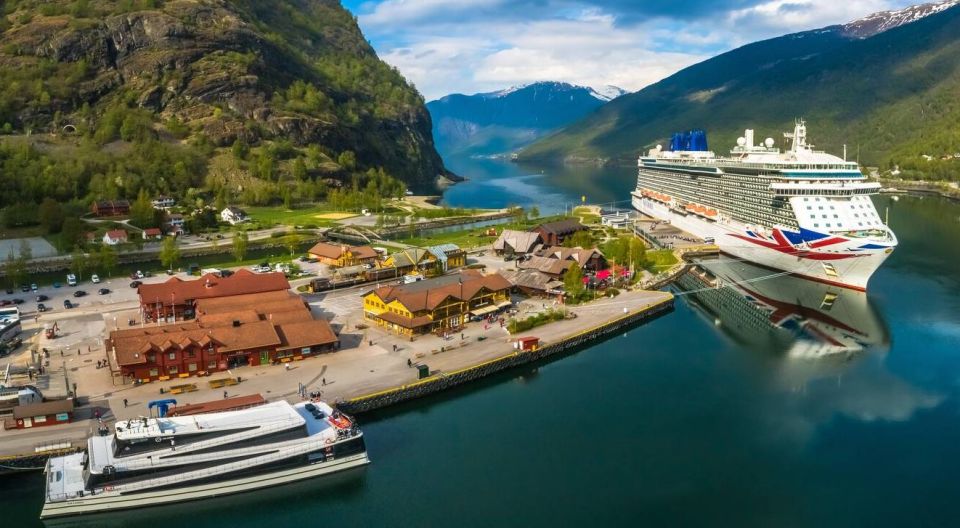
(659,147)
(768,142)
(741,141)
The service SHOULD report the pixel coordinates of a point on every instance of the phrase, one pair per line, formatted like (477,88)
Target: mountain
(257,100)
(501,121)
(887,86)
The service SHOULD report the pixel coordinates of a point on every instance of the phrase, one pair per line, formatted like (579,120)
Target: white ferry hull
(835,260)
(113,501)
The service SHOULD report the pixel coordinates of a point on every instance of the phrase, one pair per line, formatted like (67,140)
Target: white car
(71,280)
(95,278)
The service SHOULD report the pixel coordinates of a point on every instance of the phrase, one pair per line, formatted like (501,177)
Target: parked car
(42,297)
(56,285)
(95,278)
(79,293)
(103,291)
(41,307)
(136,275)
(71,279)
(67,304)
(9,290)
(25,288)
(17,301)
(5,302)
(135,284)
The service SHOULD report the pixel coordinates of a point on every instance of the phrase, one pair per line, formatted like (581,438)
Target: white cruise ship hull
(114,501)
(833,259)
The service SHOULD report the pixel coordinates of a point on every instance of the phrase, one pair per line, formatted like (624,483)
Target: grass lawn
(660,259)
(468,238)
(318,215)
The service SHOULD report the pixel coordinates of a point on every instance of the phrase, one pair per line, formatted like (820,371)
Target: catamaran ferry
(798,210)
(154,461)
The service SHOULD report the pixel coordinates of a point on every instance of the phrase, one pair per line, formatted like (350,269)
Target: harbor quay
(371,360)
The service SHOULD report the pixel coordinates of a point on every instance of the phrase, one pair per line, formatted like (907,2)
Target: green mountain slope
(891,97)
(255,100)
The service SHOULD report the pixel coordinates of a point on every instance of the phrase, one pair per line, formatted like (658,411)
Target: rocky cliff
(214,71)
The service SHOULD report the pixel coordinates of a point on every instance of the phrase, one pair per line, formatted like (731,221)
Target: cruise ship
(156,461)
(798,210)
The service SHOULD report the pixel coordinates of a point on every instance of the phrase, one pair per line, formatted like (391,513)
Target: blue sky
(469,46)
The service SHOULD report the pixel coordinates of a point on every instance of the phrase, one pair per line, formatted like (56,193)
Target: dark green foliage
(542,318)
(50,215)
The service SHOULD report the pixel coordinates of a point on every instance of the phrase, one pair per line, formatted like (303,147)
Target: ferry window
(820,207)
(809,207)
(836,216)
(824,216)
(816,225)
(828,224)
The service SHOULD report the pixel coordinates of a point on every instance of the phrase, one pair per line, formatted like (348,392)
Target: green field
(660,259)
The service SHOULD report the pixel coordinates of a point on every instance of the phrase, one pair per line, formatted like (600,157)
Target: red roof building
(177,298)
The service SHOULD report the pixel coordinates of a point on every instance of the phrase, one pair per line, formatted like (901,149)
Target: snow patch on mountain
(871,25)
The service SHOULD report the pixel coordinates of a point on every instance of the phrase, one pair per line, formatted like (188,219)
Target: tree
(169,252)
(348,160)
(580,239)
(240,149)
(299,170)
(26,252)
(15,269)
(573,280)
(534,212)
(108,259)
(70,233)
(50,215)
(78,263)
(141,211)
(240,241)
(292,241)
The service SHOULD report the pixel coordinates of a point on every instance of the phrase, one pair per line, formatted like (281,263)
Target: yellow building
(436,305)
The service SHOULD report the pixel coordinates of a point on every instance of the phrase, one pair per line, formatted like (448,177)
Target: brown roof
(576,254)
(43,409)
(239,302)
(562,227)
(428,294)
(117,234)
(334,251)
(209,286)
(547,265)
(262,303)
(406,322)
(305,334)
(132,345)
(152,231)
(229,404)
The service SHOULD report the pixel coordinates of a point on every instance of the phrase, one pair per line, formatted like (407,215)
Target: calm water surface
(718,414)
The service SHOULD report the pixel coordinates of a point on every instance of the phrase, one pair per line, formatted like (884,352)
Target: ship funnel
(748,136)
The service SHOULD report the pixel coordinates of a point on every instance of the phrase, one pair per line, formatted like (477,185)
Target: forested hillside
(253,102)
(893,98)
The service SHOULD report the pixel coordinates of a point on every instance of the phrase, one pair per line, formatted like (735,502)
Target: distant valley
(500,122)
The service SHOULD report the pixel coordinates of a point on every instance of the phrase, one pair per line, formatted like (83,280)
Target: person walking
(224,395)
(124,403)
(323,381)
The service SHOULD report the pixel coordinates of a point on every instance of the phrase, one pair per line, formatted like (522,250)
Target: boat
(168,460)
(798,210)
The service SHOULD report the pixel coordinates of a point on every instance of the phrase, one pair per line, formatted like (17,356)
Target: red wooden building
(43,414)
(110,208)
(554,233)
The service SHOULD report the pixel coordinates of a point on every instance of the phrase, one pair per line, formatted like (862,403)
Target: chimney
(236,323)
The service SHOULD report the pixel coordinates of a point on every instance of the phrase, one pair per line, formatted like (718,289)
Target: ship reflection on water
(824,343)
(775,311)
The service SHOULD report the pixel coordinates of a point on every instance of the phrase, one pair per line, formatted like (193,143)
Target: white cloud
(473,46)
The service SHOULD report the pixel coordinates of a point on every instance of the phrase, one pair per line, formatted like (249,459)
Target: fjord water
(685,421)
